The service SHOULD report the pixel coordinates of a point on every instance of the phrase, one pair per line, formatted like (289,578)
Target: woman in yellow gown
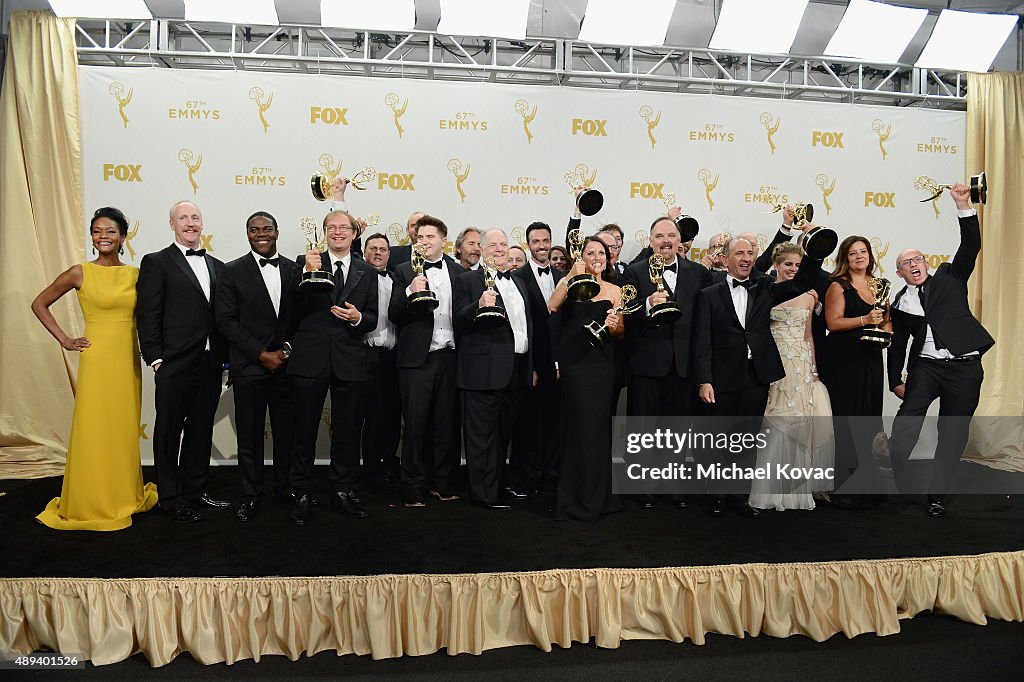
(103,484)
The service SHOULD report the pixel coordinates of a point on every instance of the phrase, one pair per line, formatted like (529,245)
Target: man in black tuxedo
(179,340)
(494,366)
(328,354)
(254,303)
(611,235)
(537,424)
(658,356)
(426,366)
(401,253)
(763,264)
(735,356)
(467,248)
(945,356)
(382,424)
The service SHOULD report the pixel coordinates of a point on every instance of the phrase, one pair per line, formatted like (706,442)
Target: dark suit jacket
(720,341)
(173,317)
(486,355)
(540,342)
(398,255)
(245,313)
(652,348)
(944,299)
(414,332)
(323,343)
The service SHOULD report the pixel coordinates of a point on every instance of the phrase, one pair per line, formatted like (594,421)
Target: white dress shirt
(199,267)
(440,282)
(739,302)
(272,278)
(346,262)
(383,336)
(545,281)
(515,309)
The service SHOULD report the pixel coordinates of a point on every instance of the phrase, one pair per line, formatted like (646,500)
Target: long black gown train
(588,388)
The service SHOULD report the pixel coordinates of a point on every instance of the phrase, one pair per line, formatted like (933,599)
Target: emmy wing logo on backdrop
(880,250)
(826,186)
(646,112)
(882,130)
(704,175)
(455,166)
(132,234)
(771,125)
(519,237)
(116,91)
(256,94)
(521,106)
(397,112)
(192,164)
(396,231)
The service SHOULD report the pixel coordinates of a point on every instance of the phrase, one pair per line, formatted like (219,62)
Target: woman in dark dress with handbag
(587,376)
(855,374)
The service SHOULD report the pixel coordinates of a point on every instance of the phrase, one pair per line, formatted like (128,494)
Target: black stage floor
(454,537)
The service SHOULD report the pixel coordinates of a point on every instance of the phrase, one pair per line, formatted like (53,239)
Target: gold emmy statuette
(597,332)
(979,188)
(492,314)
(320,183)
(819,241)
(420,302)
(873,333)
(667,312)
(316,238)
(590,201)
(585,286)
(688,225)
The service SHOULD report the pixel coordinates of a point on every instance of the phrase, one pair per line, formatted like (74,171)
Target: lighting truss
(534,61)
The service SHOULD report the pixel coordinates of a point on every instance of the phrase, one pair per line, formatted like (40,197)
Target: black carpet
(454,537)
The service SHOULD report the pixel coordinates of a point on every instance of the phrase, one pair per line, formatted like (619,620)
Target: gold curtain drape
(995,143)
(221,620)
(40,236)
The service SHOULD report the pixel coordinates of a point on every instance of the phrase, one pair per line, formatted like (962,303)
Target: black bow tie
(382,273)
(195,252)
(505,275)
(671,268)
(269,261)
(427,265)
(544,271)
(746,284)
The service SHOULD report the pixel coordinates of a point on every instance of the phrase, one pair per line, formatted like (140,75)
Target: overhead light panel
(248,12)
(614,22)
(495,19)
(372,15)
(966,41)
(758,26)
(101,9)
(875,32)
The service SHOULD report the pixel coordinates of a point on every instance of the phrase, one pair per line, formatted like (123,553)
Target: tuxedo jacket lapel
(179,259)
(253,269)
(727,302)
(351,280)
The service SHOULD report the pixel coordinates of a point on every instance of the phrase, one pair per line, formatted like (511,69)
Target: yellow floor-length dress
(103,475)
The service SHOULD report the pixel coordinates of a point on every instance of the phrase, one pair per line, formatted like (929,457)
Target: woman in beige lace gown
(799,413)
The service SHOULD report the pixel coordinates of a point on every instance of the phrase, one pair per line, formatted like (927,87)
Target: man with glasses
(945,355)
(328,354)
(611,235)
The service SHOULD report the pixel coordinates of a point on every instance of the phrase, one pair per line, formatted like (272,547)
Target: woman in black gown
(587,377)
(854,376)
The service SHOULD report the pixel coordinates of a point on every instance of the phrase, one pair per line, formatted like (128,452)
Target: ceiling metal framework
(534,61)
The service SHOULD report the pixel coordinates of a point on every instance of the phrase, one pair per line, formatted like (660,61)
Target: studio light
(757,26)
(875,32)
(613,22)
(966,41)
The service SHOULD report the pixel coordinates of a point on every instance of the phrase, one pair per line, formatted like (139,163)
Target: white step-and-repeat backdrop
(496,155)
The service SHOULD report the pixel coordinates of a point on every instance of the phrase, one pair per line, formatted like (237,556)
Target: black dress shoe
(679,501)
(750,512)
(300,512)
(345,503)
(514,493)
(205,500)
(647,502)
(936,509)
(247,510)
(184,513)
(491,505)
(717,507)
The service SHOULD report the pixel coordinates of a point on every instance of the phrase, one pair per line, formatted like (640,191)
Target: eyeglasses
(913,260)
(339,229)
